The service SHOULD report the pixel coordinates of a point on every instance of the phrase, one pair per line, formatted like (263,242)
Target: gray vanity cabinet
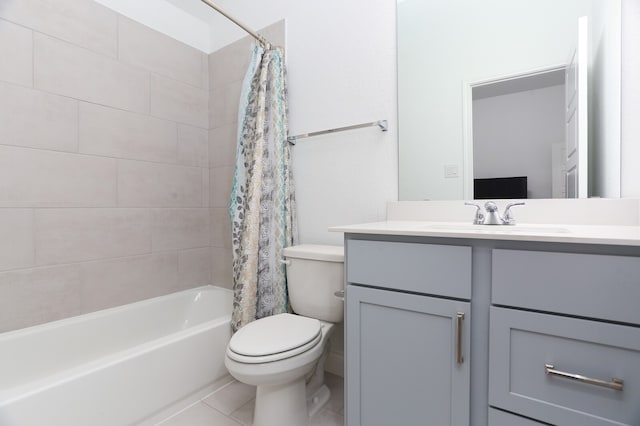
(554,338)
(408,342)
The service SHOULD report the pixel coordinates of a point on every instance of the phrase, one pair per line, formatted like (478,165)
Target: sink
(502,229)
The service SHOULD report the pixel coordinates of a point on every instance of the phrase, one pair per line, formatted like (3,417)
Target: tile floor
(232,405)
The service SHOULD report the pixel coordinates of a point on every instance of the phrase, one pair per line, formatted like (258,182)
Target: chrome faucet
(493,216)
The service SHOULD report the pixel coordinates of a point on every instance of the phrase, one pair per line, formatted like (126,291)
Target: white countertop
(553,233)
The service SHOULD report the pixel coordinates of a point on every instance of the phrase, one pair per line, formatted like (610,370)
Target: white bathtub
(115,367)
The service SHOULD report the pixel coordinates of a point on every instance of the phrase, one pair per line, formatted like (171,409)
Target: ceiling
(190,21)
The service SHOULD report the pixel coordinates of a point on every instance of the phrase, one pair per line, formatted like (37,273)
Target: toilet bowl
(283,355)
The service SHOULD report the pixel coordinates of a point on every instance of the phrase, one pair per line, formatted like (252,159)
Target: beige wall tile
(222,146)
(36,178)
(173,229)
(68,70)
(222,264)
(193,146)
(16,51)
(229,64)
(140,45)
(221,182)
(36,119)
(127,280)
(205,71)
(16,239)
(275,33)
(206,192)
(194,267)
(220,227)
(74,235)
(34,296)
(223,104)
(176,101)
(116,133)
(85,23)
(142,184)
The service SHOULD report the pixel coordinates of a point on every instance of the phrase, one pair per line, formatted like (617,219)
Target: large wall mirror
(501,95)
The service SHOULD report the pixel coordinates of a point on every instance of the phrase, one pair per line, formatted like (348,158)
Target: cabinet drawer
(421,268)
(594,286)
(501,418)
(523,343)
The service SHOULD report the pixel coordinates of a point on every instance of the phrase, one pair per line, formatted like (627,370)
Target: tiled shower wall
(104,163)
(227,69)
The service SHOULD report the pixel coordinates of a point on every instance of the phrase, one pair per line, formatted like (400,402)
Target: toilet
(283,355)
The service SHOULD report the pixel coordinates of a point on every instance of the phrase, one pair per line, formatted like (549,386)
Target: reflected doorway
(518,135)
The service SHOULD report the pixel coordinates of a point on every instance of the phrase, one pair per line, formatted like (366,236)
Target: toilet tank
(314,274)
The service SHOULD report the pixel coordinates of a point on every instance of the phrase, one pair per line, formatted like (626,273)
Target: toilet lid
(275,337)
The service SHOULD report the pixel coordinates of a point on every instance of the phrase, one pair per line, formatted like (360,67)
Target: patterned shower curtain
(262,209)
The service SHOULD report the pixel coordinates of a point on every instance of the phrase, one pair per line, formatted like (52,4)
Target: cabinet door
(406,364)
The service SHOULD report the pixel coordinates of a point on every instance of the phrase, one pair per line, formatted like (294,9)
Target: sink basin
(503,229)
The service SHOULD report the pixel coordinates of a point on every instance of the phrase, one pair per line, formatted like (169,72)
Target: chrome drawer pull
(615,384)
(459,319)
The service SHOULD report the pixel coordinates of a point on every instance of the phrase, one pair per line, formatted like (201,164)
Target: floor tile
(244,414)
(200,415)
(233,405)
(231,397)
(336,387)
(327,418)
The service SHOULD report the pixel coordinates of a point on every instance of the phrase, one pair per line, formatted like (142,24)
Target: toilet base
(281,405)
(318,400)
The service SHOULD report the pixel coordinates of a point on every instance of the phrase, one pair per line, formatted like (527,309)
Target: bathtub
(119,366)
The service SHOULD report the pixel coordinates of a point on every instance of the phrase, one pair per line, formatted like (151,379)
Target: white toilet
(283,355)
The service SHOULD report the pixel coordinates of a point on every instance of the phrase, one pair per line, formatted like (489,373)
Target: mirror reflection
(508,99)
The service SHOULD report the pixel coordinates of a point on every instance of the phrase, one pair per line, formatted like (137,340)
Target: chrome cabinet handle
(459,319)
(615,384)
(339,294)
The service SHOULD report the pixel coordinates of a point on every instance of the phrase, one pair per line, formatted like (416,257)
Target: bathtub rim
(21,391)
(7,335)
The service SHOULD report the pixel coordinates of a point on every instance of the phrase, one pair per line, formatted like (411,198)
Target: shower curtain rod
(263,41)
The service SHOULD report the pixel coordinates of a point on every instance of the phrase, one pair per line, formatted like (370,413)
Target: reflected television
(502,187)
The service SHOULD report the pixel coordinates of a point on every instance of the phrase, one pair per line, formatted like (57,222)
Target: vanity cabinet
(408,334)
(551,332)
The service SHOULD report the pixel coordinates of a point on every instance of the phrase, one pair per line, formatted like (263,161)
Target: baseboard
(335,364)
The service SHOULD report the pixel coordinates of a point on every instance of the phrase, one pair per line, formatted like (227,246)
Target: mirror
(459,59)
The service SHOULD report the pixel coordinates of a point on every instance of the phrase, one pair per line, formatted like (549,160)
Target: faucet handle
(508,218)
(479,218)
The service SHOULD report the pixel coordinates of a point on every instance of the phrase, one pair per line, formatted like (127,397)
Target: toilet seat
(274,338)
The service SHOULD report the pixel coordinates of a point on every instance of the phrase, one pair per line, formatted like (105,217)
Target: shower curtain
(262,209)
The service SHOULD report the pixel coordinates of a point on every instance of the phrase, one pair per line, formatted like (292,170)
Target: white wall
(521,127)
